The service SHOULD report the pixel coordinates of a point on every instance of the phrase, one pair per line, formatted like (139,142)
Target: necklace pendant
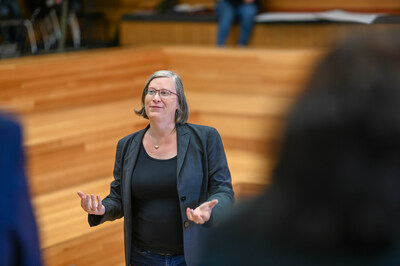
(156,147)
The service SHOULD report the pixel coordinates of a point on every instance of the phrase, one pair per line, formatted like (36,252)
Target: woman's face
(161,108)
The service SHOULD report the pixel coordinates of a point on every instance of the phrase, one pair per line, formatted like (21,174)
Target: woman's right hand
(90,205)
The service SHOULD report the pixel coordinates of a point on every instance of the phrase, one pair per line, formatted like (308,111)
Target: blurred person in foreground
(19,243)
(172,181)
(334,197)
(228,11)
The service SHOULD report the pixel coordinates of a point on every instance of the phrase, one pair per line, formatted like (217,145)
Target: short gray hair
(182,113)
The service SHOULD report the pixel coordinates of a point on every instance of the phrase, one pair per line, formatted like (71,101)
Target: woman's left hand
(201,214)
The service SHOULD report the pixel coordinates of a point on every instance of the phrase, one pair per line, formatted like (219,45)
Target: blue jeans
(226,17)
(141,257)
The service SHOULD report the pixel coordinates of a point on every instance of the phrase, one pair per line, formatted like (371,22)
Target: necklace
(156,146)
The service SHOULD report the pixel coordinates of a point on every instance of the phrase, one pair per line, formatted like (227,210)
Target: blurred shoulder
(9,122)
(9,127)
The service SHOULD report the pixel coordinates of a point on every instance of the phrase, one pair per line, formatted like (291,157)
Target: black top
(157,225)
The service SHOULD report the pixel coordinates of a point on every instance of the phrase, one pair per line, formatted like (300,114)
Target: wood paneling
(66,237)
(53,82)
(265,35)
(167,33)
(74,108)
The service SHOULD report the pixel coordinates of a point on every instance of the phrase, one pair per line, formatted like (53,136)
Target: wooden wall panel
(247,87)
(63,150)
(265,35)
(66,237)
(238,71)
(71,80)
(167,33)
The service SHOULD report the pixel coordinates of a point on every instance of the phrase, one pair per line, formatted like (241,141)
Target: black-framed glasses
(164,93)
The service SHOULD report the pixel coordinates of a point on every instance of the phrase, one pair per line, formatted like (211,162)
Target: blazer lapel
(183,142)
(129,160)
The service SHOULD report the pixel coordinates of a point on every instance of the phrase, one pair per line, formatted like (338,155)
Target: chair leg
(75,29)
(50,31)
(56,24)
(31,36)
(45,35)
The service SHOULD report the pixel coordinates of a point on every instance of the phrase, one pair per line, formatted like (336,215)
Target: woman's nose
(157,97)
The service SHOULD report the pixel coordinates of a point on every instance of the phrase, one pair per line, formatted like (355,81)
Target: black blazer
(202,175)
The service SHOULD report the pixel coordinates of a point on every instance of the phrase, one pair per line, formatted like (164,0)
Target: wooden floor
(74,107)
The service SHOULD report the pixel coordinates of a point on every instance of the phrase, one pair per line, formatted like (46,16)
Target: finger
(189,214)
(197,217)
(80,194)
(213,203)
(94,203)
(82,201)
(99,203)
(209,204)
(194,216)
(87,203)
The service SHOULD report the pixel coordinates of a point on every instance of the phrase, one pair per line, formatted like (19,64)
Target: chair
(12,25)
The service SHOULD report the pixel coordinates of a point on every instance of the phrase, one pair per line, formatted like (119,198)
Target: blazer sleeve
(219,178)
(113,202)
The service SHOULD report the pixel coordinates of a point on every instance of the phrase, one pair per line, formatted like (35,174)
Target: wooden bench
(187,30)
(74,108)
(289,35)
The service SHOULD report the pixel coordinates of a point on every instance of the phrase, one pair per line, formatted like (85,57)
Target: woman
(172,180)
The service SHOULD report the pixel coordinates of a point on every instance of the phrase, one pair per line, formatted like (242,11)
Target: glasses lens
(151,92)
(165,93)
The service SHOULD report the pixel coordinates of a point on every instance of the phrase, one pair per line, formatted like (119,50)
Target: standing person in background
(172,182)
(334,197)
(19,244)
(227,12)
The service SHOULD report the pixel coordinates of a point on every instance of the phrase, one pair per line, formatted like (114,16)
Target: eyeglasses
(164,93)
